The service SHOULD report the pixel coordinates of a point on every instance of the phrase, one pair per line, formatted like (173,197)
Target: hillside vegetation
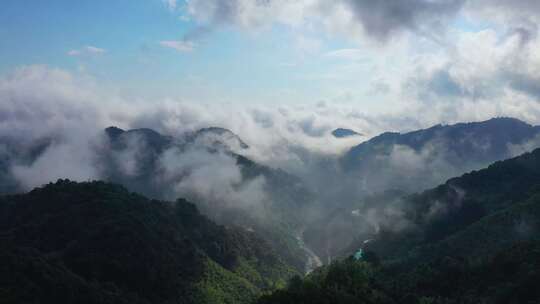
(98,243)
(474,239)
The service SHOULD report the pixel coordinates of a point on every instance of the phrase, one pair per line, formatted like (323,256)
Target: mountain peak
(343,133)
(216,130)
(461,147)
(113,131)
(218,136)
(507,120)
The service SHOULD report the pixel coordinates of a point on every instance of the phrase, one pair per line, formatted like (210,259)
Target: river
(313,260)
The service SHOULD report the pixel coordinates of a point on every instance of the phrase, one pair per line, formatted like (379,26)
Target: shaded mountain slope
(507,277)
(415,161)
(422,159)
(217,137)
(96,242)
(148,146)
(499,198)
(474,239)
(240,193)
(275,211)
(343,133)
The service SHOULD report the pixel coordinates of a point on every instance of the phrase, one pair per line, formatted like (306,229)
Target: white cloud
(249,14)
(376,19)
(94,50)
(87,50)
(74,53)
(171,4)
(39,101)
(307,45)
(483,66)
(347,54)
(178,45)
(210,178)
(72,161)
(504,12)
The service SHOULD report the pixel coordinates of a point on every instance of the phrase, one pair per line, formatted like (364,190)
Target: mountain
(147,148)
(422,159)
(342,133)
(144,145)
(96,242)
(478,212)
(381,171)
(269,201)
(452,212)
(217,137)
(204,166)
(473,239)
(14,151)
(351,223)
(510,276)
(377,173)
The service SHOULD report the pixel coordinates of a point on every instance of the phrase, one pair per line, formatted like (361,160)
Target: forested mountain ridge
(151,145)
(276,217)
(382,170)
(474,239)
(501,188)
(508,277)
(422,159)
(98,243)
(241,192)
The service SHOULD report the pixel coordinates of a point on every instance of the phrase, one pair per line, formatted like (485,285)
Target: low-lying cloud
(41,102)
(58,118)
(212,178)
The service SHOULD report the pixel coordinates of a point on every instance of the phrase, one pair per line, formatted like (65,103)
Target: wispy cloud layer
(40,101)
(178,45)
(69,111)
(87,50)
(171,4)
(376,19)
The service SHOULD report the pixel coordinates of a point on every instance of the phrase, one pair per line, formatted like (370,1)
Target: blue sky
(43,32)
(227,65)
(306,51)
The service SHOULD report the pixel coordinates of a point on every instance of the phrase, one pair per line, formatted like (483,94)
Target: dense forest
(482,246)
(95,242)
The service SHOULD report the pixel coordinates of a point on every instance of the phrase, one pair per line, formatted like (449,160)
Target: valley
(267,246)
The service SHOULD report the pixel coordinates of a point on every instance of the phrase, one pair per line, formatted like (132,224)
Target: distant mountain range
(422,159)
(473,239)
(154,164)
(266,200)
(285,193)
(150,146)
(145,148)
(475,215)
(378,172)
